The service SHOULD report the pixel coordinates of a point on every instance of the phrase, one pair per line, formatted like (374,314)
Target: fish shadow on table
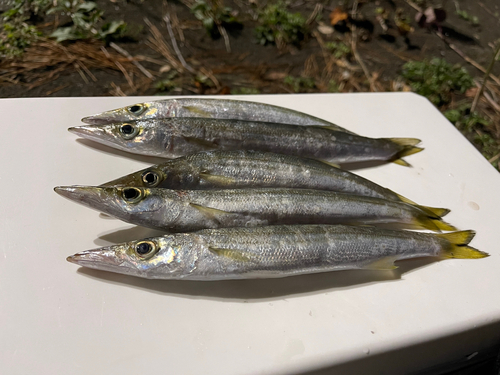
(256,290)
(113,151)
(252,289)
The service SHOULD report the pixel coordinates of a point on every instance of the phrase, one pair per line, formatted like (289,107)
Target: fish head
(154,208)
(158,257)
(139,111)
(173,174)
(148,178)
(134,136)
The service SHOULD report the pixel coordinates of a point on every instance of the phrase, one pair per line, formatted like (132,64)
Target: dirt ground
(251,65)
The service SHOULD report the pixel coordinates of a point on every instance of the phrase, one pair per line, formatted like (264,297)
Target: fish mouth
(99,119)
(87,131)
(104,259)
(98,198)
(96,133)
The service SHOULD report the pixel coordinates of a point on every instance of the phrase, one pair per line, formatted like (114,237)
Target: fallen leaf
(470,93)
(325,29)
(165,69)
(275,76)
(338,15)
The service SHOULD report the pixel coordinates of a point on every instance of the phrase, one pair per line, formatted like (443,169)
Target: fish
(190,210)
(272,252)
(175,137)
(255,169)
(208,108)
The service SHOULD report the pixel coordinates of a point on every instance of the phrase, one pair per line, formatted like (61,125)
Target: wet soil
(251,65)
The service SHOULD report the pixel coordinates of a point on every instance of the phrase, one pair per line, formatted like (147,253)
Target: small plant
(473,20)
(16,33)
(245,91)
(476,127)
(280,27)
(167,83)
(214,15)
(16,37)
(436,80)
(333,86)
(84,19)
(299,84)
(339,49)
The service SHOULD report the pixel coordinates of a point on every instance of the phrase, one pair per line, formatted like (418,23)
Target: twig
(79,70)
(488,10)
(211,76)
(355,51)
(413,5)
(158,43)
(118,91)
(485,79)
(317,10)
(494,158)
(131,59)
(166,18)
(89,73)
(222,31)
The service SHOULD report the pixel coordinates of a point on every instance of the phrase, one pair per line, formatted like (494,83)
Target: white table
(56,318)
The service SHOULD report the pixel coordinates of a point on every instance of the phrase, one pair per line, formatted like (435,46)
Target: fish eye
(128,131)
(150,178)
(145,249)
(132,195)
(136,109)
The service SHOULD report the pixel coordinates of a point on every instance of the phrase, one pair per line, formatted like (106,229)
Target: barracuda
(269,252)
(189,210)
(208,108)
(171,138)
(254,169)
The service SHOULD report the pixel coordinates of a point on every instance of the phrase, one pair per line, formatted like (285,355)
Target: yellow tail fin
(432,211)
(432,223)
(458,248)
(408,148)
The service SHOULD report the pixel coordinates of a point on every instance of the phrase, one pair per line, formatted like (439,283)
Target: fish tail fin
(432,223)
(437,211)
(432,211)
(407,148)
(457,246)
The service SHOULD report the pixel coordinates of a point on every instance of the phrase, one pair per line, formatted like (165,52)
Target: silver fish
(275,251)
(189,210)
(170,138)
(255,169)
(208,108)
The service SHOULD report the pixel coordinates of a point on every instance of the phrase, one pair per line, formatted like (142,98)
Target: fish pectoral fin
(231,219)
(383,264)
(207,145)
(216,179)
(213,213)
(198,111)
(238,255)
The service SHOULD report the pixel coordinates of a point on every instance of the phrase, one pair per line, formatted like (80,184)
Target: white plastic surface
(56,318)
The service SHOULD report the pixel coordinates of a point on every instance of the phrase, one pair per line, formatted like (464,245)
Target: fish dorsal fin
(238,255)
(383,264)
(198,111)
(217,179)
